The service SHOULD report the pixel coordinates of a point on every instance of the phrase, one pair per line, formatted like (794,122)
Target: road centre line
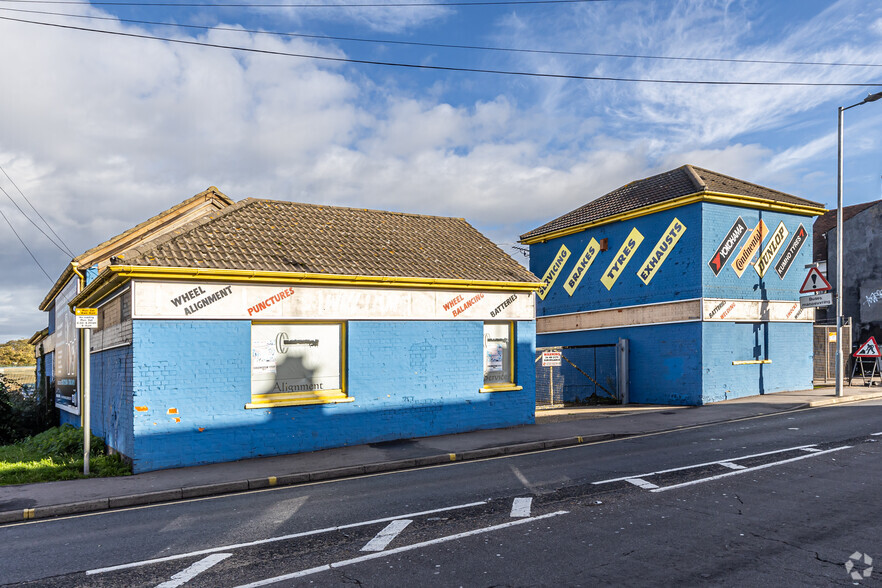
(355,560)
(520,507)
(385,537)
(194,570)
(641,483)
(746,470)
(147,562)
(700,465)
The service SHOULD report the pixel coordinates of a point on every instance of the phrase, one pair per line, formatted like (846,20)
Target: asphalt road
(785,499)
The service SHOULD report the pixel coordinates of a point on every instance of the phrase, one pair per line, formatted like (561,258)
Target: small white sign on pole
(551,358)
(87,318)
(816,300)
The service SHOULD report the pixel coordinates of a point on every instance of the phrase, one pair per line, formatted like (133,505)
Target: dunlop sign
(771,249)
(553,271)
(623,256)
(796,243)
(661,250)
(582,266)
(727,247)
(742,260)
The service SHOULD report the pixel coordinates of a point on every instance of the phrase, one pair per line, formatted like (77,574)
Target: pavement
(560,427)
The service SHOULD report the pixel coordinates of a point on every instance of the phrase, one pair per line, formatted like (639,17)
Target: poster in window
(497,354)
(295,359)
(66,351)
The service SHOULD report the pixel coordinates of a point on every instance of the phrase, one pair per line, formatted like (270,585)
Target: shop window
(297,363)
(499,367)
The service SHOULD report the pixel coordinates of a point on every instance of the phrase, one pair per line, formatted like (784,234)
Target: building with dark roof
(260,327)
(698,271)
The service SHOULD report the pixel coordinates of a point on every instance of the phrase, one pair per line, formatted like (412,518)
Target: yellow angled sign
(661,250)
(623,256)
(582,266)
(553,271)
(87,312)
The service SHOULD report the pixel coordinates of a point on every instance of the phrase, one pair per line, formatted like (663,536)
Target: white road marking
(699,465)
(197,568)
(355,560)
(876,434)
(732,466)
(147,562)
(520,507)
(811,449)
(745,470)
(385,537)
(523,479)
(640,482)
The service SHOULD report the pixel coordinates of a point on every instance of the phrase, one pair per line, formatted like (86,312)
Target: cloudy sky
(101,132)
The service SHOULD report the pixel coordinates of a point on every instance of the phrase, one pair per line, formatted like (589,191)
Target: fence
(579,374)
(825,352)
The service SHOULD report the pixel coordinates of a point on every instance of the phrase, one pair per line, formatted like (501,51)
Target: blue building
(235,330)
(699,271)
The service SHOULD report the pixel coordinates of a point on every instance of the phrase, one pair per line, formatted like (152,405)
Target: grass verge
(56,454)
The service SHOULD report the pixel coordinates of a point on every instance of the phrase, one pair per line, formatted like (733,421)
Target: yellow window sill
(299,402)
(509,388)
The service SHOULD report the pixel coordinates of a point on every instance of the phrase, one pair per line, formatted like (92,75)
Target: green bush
(56,454)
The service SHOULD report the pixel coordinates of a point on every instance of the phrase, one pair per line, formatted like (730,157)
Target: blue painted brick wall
(787,345)
(665,360)
(407,379)
(111,400)
(678,279)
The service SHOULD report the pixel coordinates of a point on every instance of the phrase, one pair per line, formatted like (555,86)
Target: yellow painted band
(751,362)
(580,439)
(28,513)
(452,456)
(272,480)
(713,197)
(117,275)
(303,402)
(508,388)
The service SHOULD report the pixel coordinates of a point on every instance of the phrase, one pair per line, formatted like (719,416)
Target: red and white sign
(551,358)
(868,349)
(815,282)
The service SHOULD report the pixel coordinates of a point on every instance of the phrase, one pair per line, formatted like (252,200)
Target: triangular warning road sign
(868,349)
(815,282)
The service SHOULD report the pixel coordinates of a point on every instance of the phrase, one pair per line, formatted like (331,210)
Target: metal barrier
(825,352)
(578,374)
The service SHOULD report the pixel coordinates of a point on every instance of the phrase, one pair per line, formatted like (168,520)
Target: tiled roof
(676,183)
(269,235)
(827,221)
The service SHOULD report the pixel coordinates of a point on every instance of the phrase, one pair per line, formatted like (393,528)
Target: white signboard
(816,300)
(207,300)
(716,309)
(551,358)
(87,318)
(287,359)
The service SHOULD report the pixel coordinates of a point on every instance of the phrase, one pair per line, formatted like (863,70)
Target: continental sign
(727,246)
(742,260)
(623,256)
(661,250)
(553,271)
(771,249)
(796,242)
(582,266)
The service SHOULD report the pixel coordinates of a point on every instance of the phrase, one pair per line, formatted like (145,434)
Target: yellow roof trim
(703,196)
(116,275)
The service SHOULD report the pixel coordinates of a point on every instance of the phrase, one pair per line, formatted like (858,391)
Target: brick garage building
(266,327)
(699,271)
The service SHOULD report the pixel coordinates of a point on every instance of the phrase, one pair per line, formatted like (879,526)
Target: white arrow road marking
(148,562)
(370,556)
(385,537)
(520,507)
(732,466)
(641,483)
(197,568)
(753,469)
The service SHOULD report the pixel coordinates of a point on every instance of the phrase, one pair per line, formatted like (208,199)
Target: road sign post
(86,319)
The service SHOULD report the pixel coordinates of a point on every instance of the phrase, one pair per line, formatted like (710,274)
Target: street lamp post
(839,286)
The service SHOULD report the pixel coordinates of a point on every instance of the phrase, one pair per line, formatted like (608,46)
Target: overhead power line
(42,269)
(48,226)
(441,67)
(30,220)
(438,45)
(304,5)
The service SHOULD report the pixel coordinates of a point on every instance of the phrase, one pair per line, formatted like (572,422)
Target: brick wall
(191,381)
